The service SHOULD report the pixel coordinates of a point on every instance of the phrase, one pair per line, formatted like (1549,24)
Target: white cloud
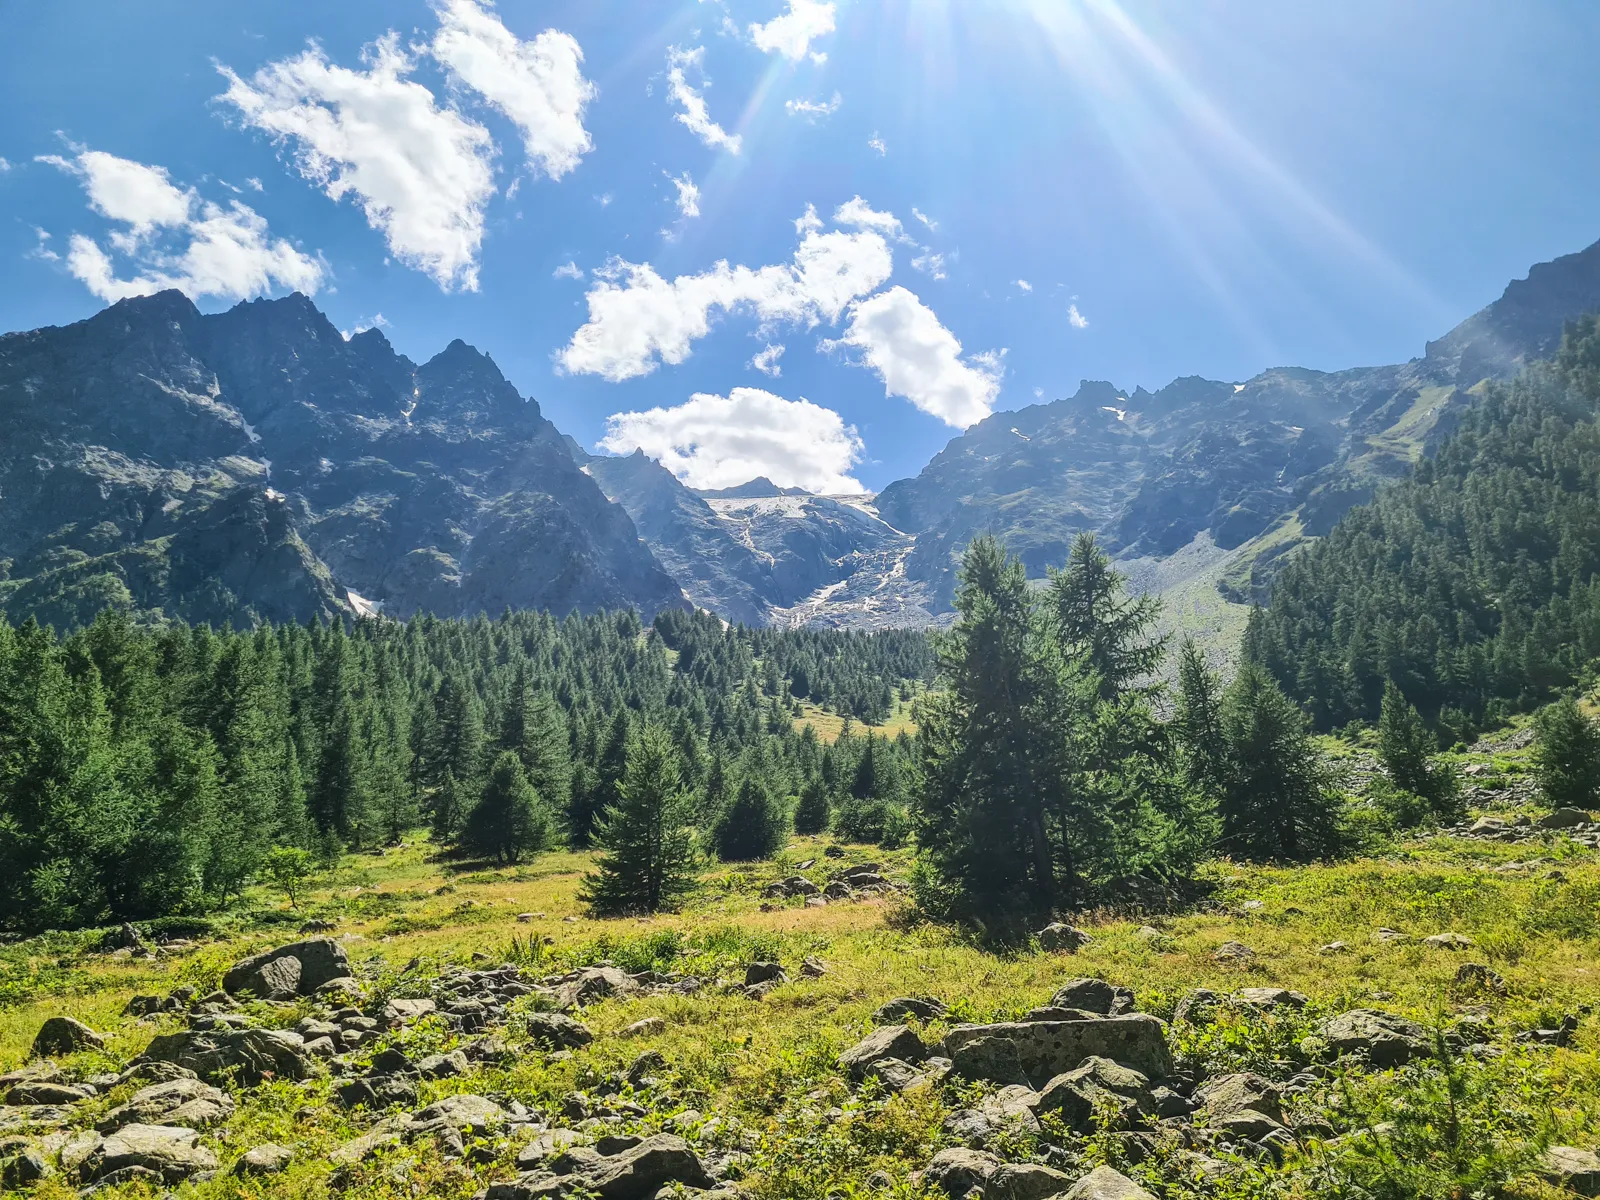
(722,441)
(422,173)
(807,221)
(696,117)
(901,339)
(767,361)
(4,165)
(877,143)
(933,226)
(858,214)
(41,249)
(1023,285)
(791,33)
(538,84)
(688,194)
(569,270)
(254,184)
(638,320)
(1075,318)
(814,110)
(173,238)
(930,263)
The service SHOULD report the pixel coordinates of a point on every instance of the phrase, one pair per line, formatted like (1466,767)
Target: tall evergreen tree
(606,792)
(649,861)
(1566,755)
(754,826)
(814,813)
(1407,750)
(510,820)
(1279,803)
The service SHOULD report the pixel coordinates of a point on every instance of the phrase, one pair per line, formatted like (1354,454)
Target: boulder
(321,960)
(1034,1052)
(1233,952)
(245,1055)
(923,1008)
(764,972)
(23,1164)
(1197,1007)
(1103,1183)
(544,1147)
(1026,1181)
(634,1174)
(465,1113)
(958,1172)
(556,1031)
(1386,1040)
(168,1151)
(398,1012)
(648,1027)
(1449,941)
(1242,1104)
(1271,997)
(268,1159)
(592,984)
(1571,1168)
(63,1035)
(1478,977)
(1093,995)
(388,1132)
(1081,1095)
(1058,937)
(896,1075)
(186,1102)
(1565,818)
(274,979)
(38,1092)
(892,1041)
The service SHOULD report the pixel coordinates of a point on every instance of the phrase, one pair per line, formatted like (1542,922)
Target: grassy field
(765,1070)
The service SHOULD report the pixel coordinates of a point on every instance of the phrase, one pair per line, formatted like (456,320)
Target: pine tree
(510,820)
(813,814)
(1207,761)
(754,826)
(981,816)
(449,808)
(606,793)
(1566,755)
(649,862)
(1095,619)
(1407,750)
(1278,804)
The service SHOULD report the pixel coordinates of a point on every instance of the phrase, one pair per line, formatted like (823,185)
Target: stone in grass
(764,972)
(1449,941)
(1565,818)
(1034,1052)
(171,1152)
(1058,937)
(649,1027)
(1096,1086)
(1233,952)
(959,1172)
(269,1159)
(186,1102)
(1093,995)
(1571,1168)
(320,959)
(923,1008)
(63,1035)
(465,1113)
(23,1164)
(1386,1040)
(892,1041)
(1478,977)
(1103,1183)
(1026,1181)
(634,1174)
(556,1031)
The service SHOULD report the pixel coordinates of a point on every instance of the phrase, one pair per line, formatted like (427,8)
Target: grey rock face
(637,1173)
(63,1035)
(268,1159)
(186,1102)
(892,1041)
(1093,995)
(1103,1183)
(266,975)
(1034,1052)
(1094,1086)
(556,1031)
(251,1055)
(170,1152)
(1386,1040)
(1572,1168)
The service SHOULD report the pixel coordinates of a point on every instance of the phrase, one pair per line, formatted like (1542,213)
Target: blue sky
(934,207)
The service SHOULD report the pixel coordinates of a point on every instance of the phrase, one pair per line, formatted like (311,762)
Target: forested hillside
(146,772)
(1473,584)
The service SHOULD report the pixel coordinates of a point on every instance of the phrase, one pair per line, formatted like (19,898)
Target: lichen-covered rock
(1081,1096)
(186,1102)
(637,1173)
(1571,1168)
(320,959)
(1386,1040)
(557,1031)
(592,984)
(267,1159)
(1034,1052)
(1061,938)
(923,1008)
(957,1172)
(1093,995)
(170,1151)
(64,1035)
(1103,1183)
(465,1113)
(1025,1181)
(248,1055)
(892,1041)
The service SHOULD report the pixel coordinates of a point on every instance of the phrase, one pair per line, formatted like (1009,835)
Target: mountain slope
(1151,472)
(256,465)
